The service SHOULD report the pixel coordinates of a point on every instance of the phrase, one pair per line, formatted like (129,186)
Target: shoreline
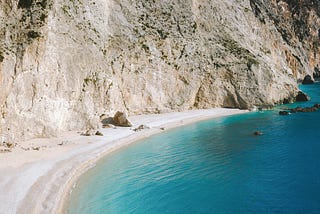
(40,181)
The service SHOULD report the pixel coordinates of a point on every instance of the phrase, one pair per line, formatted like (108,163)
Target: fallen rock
(257,133)
(302,97)
(36,148)
(121,119)
(99,133)
(141,127)
(5,150)
(25,149)
(283,113)
(63,143)
(88,133)
(307,80)
(9,145)
(107,120)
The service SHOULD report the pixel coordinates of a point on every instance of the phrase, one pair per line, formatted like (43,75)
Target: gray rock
(88,133)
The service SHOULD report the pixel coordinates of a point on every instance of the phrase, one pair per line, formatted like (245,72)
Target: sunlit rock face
(298,23)
(65,63)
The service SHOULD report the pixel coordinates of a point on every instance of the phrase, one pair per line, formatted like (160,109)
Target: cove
(214,166)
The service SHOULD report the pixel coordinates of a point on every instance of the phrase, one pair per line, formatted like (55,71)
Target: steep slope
(64,63)
(298,23)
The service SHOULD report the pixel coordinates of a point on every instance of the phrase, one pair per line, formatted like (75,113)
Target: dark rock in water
(311,109)
(295,110)
(301,97)
(36,148)
(317,105)
(141,127)
(307,80)
(283,113)
(306,109)
(257,133)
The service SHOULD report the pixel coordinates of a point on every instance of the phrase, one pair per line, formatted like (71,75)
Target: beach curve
(39,181)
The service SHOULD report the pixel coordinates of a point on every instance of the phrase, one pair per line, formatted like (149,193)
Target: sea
(213,166)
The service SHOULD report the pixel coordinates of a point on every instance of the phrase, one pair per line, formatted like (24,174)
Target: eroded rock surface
(65,63)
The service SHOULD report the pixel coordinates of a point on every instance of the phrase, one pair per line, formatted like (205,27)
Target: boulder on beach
(121,119)
(88,132)
(98,133)
(141,127)
(106,120)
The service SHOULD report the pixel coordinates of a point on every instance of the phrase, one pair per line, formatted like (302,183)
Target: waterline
(213,166)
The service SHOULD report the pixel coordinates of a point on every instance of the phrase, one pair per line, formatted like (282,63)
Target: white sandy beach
(38,181)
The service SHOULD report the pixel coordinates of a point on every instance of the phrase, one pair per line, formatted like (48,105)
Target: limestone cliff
(64,63)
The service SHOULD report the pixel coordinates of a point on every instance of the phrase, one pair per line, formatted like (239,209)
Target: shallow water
(215,166)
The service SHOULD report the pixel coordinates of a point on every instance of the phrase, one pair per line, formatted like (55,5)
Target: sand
(38,175)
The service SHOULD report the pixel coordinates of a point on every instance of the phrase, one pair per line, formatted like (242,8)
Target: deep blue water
(215,166)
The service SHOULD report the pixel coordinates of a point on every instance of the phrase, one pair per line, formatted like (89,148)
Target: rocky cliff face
(298,23)
(64,63)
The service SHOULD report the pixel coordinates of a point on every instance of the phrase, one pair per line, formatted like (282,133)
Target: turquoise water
(216,166)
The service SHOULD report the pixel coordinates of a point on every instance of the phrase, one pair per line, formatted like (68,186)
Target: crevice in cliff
(123,99)
(242,104)
(34,90)
(178,26)
(197,97)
